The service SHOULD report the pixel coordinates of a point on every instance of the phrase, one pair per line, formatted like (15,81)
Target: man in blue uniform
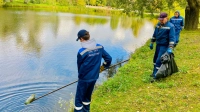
(164,36)
(89,61)
(178,22)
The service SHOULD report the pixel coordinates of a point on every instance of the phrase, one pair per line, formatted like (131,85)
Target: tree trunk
(191,18)
(192,15)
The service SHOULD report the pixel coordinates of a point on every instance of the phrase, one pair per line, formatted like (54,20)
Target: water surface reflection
(38,53)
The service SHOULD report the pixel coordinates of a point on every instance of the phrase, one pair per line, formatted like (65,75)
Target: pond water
(38,52)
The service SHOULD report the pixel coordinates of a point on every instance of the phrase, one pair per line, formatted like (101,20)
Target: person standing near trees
(89,65)
(164,36)
(178,22)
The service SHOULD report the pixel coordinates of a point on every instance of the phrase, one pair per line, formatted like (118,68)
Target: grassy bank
(130,90)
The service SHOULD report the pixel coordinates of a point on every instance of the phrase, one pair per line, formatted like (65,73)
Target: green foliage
(92,2)
(81,2)
(1,2)
(152,6)
(62,2)
(128,6)
(111,3)
(100,2)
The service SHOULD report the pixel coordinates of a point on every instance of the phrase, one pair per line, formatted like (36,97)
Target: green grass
(130,90)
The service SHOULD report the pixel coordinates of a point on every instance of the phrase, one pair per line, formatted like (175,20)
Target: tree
(125,4)
(81,2)
(192,14)
(1,2)
(104,2)
(152,6)
(111,3)
(25,1)
(140,6)
(93,2)
(101,2)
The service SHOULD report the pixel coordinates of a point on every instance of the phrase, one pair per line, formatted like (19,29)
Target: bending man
(89,62)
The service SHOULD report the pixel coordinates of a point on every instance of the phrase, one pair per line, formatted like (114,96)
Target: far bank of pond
(73,9)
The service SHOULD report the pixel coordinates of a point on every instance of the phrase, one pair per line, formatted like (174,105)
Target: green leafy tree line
(192,8)
(1,2)
(138,7)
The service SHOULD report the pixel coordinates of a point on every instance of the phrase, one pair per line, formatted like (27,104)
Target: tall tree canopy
(192,8)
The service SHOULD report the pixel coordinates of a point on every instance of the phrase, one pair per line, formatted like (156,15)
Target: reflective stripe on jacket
(164,35)
(178,22)
(89,61)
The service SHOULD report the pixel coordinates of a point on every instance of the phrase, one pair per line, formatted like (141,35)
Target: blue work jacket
(164,34)
(178,22)
(89,60)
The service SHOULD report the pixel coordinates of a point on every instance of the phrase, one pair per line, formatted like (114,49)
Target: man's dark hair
(86,36)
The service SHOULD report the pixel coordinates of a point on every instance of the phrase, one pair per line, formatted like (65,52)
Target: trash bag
(165,58)
(168,66)
(162,72)
(173,65)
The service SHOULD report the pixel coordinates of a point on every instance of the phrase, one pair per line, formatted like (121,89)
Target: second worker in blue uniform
(164,36)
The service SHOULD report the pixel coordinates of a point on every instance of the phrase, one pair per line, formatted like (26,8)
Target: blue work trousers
(83,96)
(177,34)
(160,50)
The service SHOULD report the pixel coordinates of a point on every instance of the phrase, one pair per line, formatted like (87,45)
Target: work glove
(101,68)
(151,46)
(169,50)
